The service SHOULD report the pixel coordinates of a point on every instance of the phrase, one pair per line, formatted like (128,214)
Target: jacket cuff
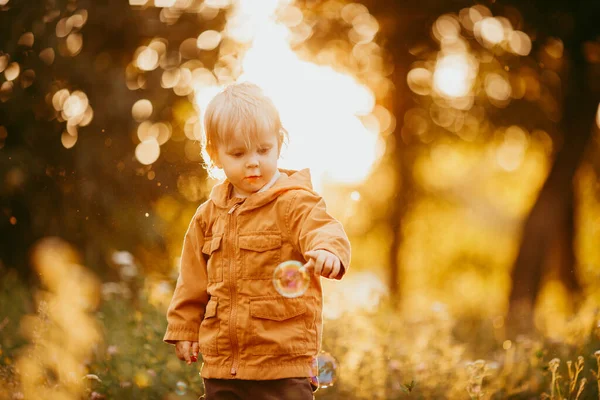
(176,333)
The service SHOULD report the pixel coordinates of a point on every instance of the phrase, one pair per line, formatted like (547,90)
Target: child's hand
(325,263)
(183,347)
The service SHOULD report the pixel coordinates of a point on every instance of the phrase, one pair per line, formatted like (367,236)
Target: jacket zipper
(233,292)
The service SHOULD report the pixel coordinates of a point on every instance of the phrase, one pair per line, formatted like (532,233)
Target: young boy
(255,343)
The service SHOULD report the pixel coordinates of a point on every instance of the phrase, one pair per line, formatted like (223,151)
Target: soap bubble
(327,367)
(181,388)
(291,279)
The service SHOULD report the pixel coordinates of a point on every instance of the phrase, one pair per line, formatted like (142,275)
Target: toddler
(255,343)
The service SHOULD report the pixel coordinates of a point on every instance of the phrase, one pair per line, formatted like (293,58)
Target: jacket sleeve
(186,310)
(312,228)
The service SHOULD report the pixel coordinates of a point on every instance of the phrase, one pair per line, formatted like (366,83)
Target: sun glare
(320,107)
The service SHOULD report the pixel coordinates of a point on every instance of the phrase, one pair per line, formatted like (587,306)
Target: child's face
(249,168)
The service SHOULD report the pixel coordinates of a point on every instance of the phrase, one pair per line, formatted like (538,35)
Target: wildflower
(112,350)
(109,289)
(394,364)
(142,379)
(493,365)
(92,377)
(128,272)
(122,258)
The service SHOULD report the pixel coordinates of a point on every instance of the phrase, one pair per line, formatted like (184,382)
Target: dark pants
(278,389)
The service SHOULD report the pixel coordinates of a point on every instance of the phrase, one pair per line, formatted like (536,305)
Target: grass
(380,354)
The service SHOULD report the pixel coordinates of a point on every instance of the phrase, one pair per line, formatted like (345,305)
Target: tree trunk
(405,24)
(551,220)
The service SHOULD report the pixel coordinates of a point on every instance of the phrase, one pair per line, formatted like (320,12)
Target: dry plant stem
(553,364)
(571,376)
(581,386)
(597,372)
(574,376)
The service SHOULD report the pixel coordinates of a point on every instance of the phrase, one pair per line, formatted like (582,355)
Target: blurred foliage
(89,189)
(380,355)
(134,362)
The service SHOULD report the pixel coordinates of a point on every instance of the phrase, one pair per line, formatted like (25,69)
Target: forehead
(246,138)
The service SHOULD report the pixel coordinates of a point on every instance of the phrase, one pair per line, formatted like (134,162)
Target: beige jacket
(225,298)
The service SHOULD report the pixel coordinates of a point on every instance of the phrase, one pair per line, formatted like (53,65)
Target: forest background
(456,140)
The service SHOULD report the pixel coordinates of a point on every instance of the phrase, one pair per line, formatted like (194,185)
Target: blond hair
(243,108)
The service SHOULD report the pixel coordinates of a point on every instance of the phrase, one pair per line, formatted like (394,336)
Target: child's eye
(264,150)
(237,155)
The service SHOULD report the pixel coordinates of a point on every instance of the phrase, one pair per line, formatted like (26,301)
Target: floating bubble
(291,279)
(326,370)
(181,388)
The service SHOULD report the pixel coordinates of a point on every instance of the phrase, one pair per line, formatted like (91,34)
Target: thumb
(311,254)
(310,264)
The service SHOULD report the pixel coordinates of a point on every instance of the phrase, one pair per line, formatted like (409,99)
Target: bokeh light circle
(147,151)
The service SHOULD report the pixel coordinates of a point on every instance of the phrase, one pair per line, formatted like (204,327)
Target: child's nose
(252,162)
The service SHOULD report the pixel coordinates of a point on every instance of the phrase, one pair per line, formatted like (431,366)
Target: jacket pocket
(277,326)
(209,329)
(214,263)
(260,253)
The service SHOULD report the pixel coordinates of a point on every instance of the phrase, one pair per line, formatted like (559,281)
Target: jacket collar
(288,180)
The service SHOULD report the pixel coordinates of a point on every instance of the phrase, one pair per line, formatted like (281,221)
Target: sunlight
(454,75)
(359,291)
(320,108)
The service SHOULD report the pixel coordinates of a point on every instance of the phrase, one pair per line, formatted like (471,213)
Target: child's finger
(194,351)
(336,269)
(317,267)
(178,350)
(327,266)
(309,264)
(319,263)
(185,351)
(312,254)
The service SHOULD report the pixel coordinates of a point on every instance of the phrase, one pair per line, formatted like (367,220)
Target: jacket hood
(288,180)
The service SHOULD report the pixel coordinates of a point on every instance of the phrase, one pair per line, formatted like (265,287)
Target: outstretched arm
(312,229)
